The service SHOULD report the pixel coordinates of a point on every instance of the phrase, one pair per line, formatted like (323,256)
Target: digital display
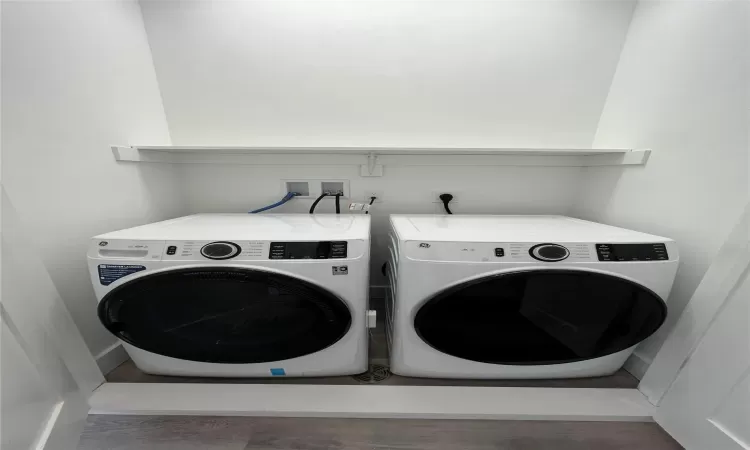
(307,250)
(632,252)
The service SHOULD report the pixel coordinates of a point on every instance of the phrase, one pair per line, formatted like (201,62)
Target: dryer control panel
(632,252)
(541,252)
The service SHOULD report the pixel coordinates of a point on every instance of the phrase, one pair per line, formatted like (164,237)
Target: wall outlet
(369,194)
(438,204)
(436,196)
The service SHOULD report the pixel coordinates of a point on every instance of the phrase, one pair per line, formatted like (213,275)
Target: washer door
(540,317)
(225,315)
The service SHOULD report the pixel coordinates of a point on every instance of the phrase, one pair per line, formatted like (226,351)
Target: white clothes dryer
(521,296)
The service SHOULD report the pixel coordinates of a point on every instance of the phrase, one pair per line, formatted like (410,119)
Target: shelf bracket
(123,153)
(372,169)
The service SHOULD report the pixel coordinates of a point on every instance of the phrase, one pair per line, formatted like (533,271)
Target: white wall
(681,89)
(406,73)
(77,77)
(401,73)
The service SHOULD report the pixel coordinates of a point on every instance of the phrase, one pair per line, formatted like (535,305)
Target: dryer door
(540,317)
(225,315)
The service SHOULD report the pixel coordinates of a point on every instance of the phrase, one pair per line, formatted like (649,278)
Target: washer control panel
(308,250)
(632,252)
(225,251)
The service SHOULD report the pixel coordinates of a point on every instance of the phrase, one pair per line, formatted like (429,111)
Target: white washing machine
(521,296)
(238,295)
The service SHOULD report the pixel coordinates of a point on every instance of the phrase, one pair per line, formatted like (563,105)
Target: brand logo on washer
(103,244)
(340,270)
(424,245)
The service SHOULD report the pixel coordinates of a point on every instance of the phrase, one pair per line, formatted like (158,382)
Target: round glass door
(225,315)
(540,317)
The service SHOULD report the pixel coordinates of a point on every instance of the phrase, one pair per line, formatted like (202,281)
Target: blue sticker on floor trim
(277,372)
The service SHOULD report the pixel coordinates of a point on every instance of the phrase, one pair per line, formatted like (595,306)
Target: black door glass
(540,317)
(223,315)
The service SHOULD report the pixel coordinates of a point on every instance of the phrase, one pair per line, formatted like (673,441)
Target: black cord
(317,200)
(446,198)
(338,205)
(372,200)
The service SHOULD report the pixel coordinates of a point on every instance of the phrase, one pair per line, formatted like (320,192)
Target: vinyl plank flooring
(253,433)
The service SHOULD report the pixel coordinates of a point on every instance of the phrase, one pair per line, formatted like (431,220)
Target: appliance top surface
(289,227)
(476,228)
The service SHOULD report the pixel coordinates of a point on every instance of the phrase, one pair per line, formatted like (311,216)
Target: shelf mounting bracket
(372,169)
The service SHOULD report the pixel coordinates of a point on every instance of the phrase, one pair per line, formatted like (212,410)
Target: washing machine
(238,295)
(521,296)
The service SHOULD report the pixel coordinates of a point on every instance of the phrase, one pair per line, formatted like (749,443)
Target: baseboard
(637,365)
(365,401)
(111,357)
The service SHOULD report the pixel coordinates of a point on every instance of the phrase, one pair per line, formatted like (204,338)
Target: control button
(338,249)
(549,252)
(220,250)
(171,250)
(499,252)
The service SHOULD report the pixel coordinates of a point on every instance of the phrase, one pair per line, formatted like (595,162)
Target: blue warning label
(109,273)
(278,372)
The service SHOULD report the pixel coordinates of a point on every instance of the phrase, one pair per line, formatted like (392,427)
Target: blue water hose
(286,198)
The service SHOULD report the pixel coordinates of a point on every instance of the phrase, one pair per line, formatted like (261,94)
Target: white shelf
(373,159)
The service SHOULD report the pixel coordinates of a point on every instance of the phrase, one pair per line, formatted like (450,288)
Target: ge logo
(103,243)
(424,245)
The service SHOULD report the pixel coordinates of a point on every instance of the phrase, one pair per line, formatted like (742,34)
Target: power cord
(286,198)
(317,200)
(372,200)
(338,203)
(446,198)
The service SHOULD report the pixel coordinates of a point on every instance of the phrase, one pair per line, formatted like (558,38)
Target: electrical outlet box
(302,188)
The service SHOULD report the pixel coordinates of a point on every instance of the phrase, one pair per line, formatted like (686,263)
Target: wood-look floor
(253,433)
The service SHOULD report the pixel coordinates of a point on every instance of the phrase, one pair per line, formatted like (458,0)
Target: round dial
(549,252)
(220,250)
